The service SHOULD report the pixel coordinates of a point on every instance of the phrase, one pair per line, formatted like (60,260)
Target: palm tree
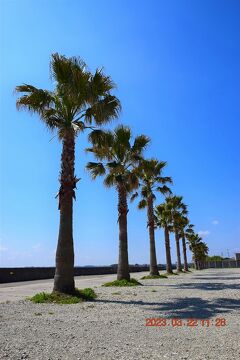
(199,250)
(186,231)
(183,223)
(178,209)
(151,181)
(78,100)
(117,155)
(163,220)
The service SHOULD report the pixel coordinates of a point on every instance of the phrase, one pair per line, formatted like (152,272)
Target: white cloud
(215,222)
(3,248)
(203,233)
(36,246)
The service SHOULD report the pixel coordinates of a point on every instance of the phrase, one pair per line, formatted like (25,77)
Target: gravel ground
(113,326)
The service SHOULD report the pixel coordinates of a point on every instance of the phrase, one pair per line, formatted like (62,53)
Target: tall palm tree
(151,181)
(178,209)
(199,250)
(79,100)
(187,230)
(202,252)
(182,226)
(163,220)
(117,154)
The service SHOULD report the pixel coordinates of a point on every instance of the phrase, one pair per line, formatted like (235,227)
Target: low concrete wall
(8,275)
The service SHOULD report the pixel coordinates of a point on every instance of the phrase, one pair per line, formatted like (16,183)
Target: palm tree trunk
(123,266)
(179,264)
(168,251)
(151,224)
(64,273)
(184,254)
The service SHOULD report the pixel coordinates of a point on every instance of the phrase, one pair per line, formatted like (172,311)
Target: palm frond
(97,137)
(134,196)
(145,191)
(123,136)
(160,165)
(100,85)
(132,180)
(110,180)
(165,190)
(35,100)
(95,169)
(164,179)
(103,111)
(140,144)
(67,70)
(142,204)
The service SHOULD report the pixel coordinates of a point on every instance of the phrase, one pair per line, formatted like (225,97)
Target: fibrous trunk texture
(179,264)
(185,266)
(64,273)
(151,229)
(168,251)
(123,266)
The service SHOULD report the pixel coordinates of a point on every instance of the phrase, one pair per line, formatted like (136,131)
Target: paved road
(22,289)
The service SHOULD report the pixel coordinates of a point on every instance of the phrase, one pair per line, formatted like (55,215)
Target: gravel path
(113,326)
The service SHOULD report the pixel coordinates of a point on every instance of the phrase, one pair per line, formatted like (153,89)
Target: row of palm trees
(83,101)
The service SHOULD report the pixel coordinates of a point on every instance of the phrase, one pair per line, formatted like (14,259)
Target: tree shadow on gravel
(217,278)
(193,307)
(198,308)
(200,286)
(206,286)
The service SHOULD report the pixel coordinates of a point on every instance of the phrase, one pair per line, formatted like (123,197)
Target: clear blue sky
(177,67)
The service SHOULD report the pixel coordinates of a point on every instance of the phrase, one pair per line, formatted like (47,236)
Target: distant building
(237,256)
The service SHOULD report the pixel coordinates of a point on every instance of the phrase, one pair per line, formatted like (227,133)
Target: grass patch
(116,293)
(37,314)
(131,282)
(171,274)
(60,298)
(152,277)
(153,290)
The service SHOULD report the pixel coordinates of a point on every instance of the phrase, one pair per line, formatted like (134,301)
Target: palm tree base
(123,277)
(154,273)
(63,285)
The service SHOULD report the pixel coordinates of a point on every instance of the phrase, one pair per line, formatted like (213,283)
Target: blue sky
(176,64)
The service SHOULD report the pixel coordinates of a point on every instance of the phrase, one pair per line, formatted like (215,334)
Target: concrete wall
(36,273)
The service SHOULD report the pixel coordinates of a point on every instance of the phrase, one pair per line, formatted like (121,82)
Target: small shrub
(40,298)
(131,282)
(60,298)
(87,294)
(171,274)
